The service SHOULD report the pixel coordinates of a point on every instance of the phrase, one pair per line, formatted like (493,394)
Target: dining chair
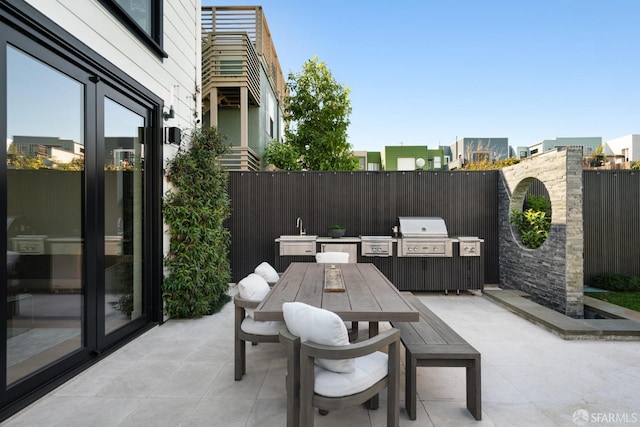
(338,258)
(251,291)
(332,257)
(269,273)
(325,371)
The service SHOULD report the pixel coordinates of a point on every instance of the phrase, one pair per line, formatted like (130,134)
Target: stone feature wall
(553,273)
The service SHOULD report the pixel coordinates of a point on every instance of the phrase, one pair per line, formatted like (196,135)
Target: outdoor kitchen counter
(461,269)
(328,239)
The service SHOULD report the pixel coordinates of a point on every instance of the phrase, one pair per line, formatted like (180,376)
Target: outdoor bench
(431,342)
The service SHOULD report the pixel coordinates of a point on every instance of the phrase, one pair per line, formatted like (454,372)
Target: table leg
(374,402)
(373,329)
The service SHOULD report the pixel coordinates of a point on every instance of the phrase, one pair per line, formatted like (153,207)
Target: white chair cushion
(254,288)
(318,326)
(267,272)
(368,370)
(332,257)
(251,326)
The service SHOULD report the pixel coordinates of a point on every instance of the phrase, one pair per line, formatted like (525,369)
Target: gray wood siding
(611,209)
(266,204)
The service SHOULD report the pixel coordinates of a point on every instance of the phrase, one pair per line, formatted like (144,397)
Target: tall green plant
(533,224)
(317,113)
(195,210)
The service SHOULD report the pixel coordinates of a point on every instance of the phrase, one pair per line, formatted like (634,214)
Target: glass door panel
(123,213)
(45,210)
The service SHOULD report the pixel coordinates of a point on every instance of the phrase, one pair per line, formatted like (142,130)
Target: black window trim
(25,22)
(154,41)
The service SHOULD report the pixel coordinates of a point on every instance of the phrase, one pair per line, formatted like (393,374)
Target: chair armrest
(245,303)
(286,336)
(350,351)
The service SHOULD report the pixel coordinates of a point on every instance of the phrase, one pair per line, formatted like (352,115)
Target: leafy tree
(195,210)
(283,156)
(597,156)
(18,161)
(317,116)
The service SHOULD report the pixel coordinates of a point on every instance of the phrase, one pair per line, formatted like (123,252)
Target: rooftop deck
(236,42)
(181,373)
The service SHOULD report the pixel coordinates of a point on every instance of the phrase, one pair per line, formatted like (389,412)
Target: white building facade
(84,239)
(588,144)
(627,147)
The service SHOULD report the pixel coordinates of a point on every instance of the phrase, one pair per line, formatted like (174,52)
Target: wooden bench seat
(431,342)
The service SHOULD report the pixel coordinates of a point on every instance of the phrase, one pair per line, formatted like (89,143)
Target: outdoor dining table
(365,295)
(361,293)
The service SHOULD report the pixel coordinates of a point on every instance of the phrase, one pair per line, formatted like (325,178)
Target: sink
(294,237)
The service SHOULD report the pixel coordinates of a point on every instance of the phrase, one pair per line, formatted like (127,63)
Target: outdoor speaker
(173,135)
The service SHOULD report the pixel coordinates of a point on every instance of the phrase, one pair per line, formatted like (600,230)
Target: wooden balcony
(236,42)
(229,62)
(241,158)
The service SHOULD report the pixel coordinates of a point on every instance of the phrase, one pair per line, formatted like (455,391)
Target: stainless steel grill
(423,237)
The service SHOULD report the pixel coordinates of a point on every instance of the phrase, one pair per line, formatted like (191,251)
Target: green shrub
(533,224)
(198,260)
(617,282)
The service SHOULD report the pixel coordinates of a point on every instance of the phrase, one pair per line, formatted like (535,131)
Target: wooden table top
(368,296)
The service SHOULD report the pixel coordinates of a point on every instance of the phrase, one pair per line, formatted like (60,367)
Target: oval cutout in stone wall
(530,213)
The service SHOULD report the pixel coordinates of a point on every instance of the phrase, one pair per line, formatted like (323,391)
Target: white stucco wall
(630,142)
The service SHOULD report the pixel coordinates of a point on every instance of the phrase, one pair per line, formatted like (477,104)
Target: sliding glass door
(124,134)
(46,249)
(77,199)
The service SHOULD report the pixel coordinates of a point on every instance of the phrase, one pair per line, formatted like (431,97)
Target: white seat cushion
(332,257)
(368,370)
(253,288)
(318,326)
(267,272)
(251,326)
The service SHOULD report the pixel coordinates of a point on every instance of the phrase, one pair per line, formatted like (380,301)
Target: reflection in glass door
(45,209)
(124,178)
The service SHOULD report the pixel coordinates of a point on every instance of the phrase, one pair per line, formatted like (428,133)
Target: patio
(181,373)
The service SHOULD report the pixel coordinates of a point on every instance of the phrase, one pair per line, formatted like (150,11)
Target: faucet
(299,225)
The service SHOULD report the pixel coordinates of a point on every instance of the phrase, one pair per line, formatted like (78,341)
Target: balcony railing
(229,61)
(241,158)
(231,36)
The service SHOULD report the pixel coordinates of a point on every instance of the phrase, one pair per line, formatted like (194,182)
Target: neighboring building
(627,147)
(362,159)
(58,149)
(478,149)
(374,161)
(91,85)
(243,87)
(404,158)
(588,144)
(523,152)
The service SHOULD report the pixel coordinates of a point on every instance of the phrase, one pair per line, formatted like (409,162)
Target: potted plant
(336,231)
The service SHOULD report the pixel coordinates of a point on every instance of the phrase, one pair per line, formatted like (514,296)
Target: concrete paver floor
(181,374)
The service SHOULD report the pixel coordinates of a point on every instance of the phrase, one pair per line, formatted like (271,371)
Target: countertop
(346,239)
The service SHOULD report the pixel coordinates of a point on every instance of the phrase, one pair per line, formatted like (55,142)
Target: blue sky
(428,72)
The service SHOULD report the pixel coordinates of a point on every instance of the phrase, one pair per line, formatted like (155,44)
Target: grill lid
(423,226)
